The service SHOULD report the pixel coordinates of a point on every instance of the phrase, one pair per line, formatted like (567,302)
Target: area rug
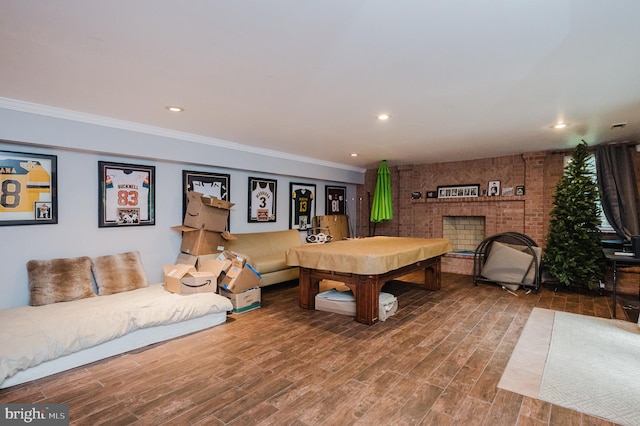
(587,364)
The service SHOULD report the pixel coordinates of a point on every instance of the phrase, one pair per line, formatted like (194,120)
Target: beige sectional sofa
(266,253)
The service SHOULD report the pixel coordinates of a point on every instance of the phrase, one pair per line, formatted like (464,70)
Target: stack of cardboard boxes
(204,264)
(204,226)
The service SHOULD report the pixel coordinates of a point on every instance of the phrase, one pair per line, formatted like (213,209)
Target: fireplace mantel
(482,199)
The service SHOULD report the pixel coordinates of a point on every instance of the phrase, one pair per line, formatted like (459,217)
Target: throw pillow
(505,264)
(59,280)
(118,272)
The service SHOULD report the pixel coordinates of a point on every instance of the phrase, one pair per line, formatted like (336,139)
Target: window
(604,223)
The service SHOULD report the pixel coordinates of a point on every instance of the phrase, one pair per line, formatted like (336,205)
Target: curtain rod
(594,147)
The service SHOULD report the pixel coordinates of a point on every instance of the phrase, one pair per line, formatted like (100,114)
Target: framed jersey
(335,199)
(28,188)
(301,205)
(211,184)
(126,195)
(262,200)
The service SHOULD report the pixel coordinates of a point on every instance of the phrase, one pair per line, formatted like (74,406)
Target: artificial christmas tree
(573,254)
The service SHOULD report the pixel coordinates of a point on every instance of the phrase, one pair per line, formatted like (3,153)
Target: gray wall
(79,144)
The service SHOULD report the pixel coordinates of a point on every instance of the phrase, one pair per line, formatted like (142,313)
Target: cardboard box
(215,264)
(216,202)
(184,279)
(200,241)
(206,213)
(336,225)
(216,267)
(225,255)
(187,259)
(345,304)
(240,277)
(245,301)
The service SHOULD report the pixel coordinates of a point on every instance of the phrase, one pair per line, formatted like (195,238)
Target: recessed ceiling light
(174,108)
(559,125)
(382,117)
(354,154)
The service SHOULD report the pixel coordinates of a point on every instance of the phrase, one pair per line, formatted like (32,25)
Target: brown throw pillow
(59,280)
(118,272)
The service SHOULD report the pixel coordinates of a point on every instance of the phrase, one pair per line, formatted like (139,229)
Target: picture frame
(302,206)
(493,188)
(28,188)
(507,192)
(207,183)
(459,191)
(520,190)
(126,195)
(262,200)
(335,199)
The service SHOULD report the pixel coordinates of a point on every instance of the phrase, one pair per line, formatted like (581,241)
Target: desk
(365,265)
(615,260)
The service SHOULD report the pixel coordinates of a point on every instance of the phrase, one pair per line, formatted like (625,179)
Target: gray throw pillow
(506,265)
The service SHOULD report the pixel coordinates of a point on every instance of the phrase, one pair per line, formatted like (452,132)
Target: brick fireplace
(499,214)
(464,232)
(424,217)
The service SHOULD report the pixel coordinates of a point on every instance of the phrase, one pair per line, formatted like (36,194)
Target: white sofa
(37,341)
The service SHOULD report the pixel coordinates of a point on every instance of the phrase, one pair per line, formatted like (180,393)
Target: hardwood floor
(436,362)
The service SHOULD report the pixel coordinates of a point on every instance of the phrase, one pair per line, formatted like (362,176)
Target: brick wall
(539,172)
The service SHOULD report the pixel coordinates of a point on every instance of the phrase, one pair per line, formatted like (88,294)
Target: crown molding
(97,120)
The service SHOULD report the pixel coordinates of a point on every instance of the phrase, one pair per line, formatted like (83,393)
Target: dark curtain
(617,184)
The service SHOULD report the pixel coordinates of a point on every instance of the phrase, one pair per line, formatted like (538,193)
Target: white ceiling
(462,79)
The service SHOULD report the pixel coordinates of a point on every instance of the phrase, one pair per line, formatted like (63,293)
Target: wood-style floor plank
(437,361)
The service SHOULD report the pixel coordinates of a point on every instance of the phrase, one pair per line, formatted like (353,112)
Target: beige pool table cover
(367,256)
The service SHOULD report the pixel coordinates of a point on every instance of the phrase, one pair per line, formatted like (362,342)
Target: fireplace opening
(464,232)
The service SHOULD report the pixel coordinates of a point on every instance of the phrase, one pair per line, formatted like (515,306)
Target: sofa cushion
(270,263)
(118,272)
(59,280)
(505,264)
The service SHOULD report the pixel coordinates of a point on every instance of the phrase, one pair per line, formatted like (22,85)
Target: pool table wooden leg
(309,288)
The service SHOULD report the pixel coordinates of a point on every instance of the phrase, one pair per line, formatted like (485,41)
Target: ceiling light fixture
(354,154)
(174,108)
(559,125)
(382,117)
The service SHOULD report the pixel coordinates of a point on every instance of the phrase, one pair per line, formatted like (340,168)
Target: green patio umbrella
(382,206)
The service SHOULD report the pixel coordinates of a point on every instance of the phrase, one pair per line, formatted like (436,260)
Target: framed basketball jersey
(262,200)
(126,194)
(302,205)
(28,188)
